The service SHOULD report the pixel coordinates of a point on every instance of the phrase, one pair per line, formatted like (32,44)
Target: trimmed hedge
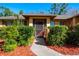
(57,35)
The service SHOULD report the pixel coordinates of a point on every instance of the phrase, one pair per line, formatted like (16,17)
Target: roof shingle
(11,17)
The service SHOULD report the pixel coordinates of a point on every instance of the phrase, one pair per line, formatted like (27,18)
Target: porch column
(30,21)
(73,22)
(1,23)
(48,22)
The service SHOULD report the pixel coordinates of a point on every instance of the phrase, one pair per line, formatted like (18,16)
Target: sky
(35,7)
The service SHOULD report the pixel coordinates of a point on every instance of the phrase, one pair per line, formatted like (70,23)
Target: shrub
(22,42)
(2,32)
(9,32)
(8,48)
(16,35)
(9,45)
(57,35)
(73,36)
(30,40)
(26,42)
(25,32)
(10,41)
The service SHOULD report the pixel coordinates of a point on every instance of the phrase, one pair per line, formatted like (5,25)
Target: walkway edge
(40,50)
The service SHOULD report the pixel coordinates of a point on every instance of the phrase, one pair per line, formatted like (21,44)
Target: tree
(21,12)
(58,8)
(1,10)
(6,11)
(20,20)
(1,14)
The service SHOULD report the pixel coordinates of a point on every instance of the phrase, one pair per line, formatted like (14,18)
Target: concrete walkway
(41,50)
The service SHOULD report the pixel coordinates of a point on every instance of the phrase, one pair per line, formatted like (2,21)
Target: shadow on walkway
(40,41)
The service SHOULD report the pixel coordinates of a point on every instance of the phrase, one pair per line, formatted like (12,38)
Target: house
(8,20)
(44,19)
(68,20)
(39,21)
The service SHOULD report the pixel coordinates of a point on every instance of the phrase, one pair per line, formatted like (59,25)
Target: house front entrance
(39,25)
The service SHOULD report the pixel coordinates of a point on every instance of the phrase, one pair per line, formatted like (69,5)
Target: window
(61,23)
(7,23)
(51,23)
(25,22)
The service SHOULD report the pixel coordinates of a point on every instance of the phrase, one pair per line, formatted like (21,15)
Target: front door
(39,27)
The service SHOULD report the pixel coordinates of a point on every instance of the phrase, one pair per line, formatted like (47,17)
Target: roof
(8,17)
(50,15)
(21,17)
(11,17)
(65,16)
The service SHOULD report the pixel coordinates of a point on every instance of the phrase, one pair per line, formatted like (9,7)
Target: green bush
(19,33)
(10,41)
(30,40)
(57,35)
(9,45)
(8,48)
(26,42)
(73,36)
(25,32)
(16,35)
(22,42)
(9,32)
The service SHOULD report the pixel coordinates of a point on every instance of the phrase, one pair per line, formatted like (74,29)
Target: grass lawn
(19,51)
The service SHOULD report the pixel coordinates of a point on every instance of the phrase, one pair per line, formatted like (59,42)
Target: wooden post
(73,22)
(48,22)
(30,22)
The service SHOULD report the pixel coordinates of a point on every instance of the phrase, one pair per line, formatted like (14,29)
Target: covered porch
(39,21)
(31,19)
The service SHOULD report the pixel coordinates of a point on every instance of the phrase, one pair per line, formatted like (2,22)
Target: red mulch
(66,50)
(19,51)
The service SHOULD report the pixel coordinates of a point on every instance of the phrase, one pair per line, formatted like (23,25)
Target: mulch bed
(19,51)
(66,50)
